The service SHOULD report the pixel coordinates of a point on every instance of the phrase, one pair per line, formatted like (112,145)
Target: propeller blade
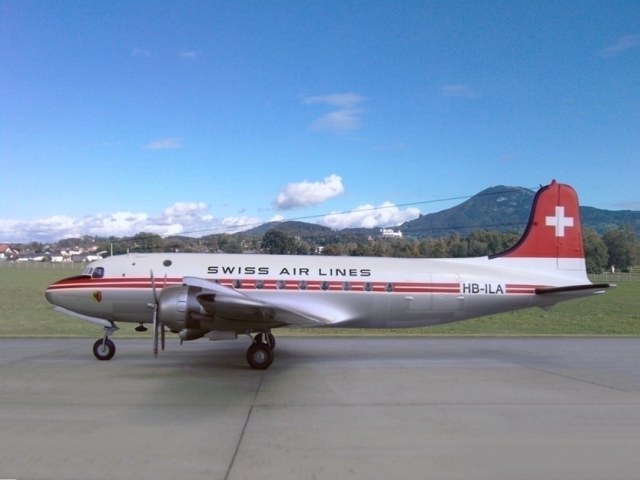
(155,331)
(161,326)
(153,287)
(155,315)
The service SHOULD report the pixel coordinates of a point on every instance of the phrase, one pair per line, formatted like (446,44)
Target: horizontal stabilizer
(597,287)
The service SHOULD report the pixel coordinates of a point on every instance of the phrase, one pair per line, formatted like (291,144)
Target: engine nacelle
(191,334)
(176,305)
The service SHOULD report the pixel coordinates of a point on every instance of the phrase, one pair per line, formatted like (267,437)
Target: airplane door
(410,303)
(448,303)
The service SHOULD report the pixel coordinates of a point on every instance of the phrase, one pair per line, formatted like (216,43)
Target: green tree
(595,251)
(332,250)
(278,243)
(147,242)
(456,247)
(433,248)
(229,244)
(621,244)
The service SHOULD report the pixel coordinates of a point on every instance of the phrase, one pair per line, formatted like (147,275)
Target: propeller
(158,330)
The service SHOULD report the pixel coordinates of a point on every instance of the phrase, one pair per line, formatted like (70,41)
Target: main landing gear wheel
(260,356)
(104,349)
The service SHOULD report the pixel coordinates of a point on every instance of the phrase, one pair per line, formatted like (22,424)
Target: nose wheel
(105,349)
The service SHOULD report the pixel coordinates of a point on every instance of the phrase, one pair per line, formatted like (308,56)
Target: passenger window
(98,272)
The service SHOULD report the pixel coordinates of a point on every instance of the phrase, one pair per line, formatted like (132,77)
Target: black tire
(104,350)
(260,356)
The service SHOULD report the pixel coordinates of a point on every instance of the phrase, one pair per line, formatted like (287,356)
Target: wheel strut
(105,349)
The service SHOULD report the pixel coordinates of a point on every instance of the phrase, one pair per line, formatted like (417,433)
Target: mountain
(603,220)
(499,208)
(505,208)
(496,208)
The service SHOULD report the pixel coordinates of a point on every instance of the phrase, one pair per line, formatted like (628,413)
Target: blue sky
(201,117)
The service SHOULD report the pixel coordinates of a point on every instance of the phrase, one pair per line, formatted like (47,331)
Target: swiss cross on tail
(559,221)
(554,229)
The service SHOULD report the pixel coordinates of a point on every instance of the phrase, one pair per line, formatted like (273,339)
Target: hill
(496,208)
(504,208)
(302,229)
(499,208)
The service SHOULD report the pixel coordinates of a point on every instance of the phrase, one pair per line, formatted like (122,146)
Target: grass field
(24,312)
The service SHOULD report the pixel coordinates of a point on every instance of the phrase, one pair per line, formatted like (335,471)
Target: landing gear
(260,356)
(266,337)
(105,349)
(260,353)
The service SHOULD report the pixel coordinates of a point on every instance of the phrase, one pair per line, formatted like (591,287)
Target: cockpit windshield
(94,272)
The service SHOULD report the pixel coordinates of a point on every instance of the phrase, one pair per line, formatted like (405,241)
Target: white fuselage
(337,291)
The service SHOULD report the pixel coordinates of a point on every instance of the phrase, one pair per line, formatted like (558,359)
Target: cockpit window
(98,272)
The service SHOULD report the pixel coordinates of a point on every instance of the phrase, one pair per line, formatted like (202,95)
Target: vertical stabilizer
(554,229)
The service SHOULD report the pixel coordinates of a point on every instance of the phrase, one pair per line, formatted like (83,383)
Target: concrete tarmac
(328,408)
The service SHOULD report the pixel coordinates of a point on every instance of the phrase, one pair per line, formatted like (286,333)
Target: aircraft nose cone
(62,292)
(52,295)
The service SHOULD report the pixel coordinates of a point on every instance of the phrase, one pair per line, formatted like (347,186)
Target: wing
(574,290)
(231,305)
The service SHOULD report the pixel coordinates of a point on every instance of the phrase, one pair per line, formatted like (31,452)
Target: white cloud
(307,193)
(621,45)
(119,223)
(191,218)
(338,121)
(345,115)
(195,219)
(164,144)
(185,209)
(368,216)
(342,100)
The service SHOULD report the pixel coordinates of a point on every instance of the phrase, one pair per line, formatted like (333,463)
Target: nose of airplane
(62,292)
(50,295)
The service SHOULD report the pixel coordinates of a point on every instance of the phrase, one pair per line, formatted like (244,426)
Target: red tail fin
(554,229)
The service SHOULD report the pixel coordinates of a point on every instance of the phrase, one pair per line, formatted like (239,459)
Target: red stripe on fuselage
(78,283)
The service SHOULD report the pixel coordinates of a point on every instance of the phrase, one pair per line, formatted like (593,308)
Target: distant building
(390,233)
(6,252)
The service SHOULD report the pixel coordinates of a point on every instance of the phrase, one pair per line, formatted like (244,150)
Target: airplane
(220,296)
